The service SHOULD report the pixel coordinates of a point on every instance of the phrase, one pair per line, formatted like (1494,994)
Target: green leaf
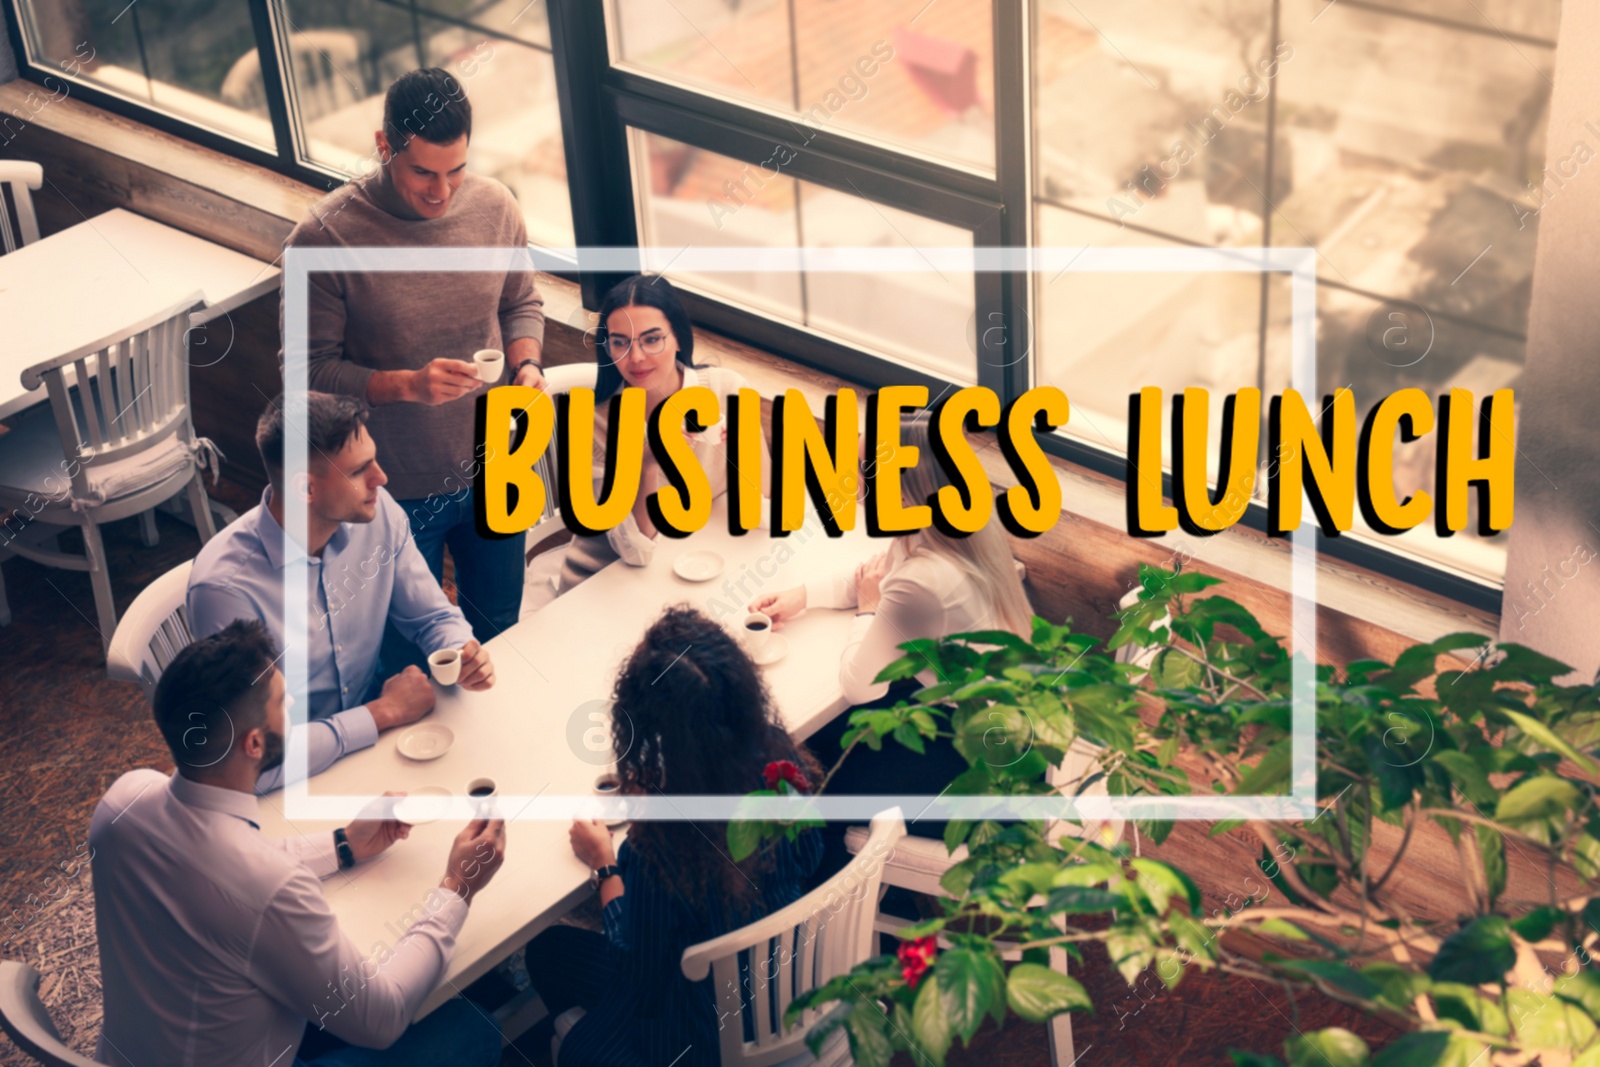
(1467,776)
(1282,928)
(1082,900)
(1470,1008)
(1432,1048)
(1192,582)
(1492,848)
(908,736)
(823,1028)
(1588,1059)
(1537,798)
(1030,878)
(744,837)
(1479,952)
(1193,936)
(929,1023)
(1174,670)
(1548,1022)
(1335,974)
(1270,775)
(1160,882)
(1253,1059)
(868,1026)
(1582,989)
(1545,736)
(969,982)
(1333,1047)
(1537,924)
(1400,986)
(1036,993)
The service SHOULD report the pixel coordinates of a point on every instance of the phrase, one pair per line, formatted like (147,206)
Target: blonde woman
(925,585)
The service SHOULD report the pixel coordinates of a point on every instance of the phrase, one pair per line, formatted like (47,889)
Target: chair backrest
(24,1019)
(18,178)
(559,380)
(153,630)
(792,951)
(123,394)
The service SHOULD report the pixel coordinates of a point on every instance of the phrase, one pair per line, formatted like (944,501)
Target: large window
(299,84)
(1404,140)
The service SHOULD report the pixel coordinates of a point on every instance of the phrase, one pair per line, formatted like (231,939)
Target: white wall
(1552,591)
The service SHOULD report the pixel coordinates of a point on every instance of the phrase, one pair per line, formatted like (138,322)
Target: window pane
(190,58)
(345,56)
(916,74)
(1154,114)
(1104,336)
(690,197)
(526,20)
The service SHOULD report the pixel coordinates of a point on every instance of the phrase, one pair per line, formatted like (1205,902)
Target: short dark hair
(428,103)
(209,694)
(330,422)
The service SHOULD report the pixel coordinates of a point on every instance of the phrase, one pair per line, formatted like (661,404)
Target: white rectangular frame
(1299,263)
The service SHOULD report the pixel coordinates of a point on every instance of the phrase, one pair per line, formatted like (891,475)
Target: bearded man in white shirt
(216,943)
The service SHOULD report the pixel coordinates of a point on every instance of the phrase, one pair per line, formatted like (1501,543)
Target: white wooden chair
(115,440)
(558,380)
(25,1021)
(18,177)
(824,934)
(153,630)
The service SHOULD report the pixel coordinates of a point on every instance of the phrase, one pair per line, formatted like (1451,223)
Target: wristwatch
(603,873)
(341,845)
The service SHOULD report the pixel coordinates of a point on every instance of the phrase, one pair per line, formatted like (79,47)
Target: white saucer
(697,566)
(427,741)
(422,806)
(776,648)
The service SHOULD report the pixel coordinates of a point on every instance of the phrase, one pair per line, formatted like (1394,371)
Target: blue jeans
(489,572)
(459,1033)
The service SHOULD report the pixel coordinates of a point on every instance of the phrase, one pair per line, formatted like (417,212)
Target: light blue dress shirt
(368,573)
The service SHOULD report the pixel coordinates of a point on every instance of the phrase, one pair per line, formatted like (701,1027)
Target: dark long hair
(691,716)
(641,290)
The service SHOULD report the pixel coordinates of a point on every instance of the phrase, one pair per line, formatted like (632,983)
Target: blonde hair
(985,556)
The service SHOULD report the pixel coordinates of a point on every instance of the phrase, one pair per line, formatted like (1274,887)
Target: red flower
(915,958)
(785,771)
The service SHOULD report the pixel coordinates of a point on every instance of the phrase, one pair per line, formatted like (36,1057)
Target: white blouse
(627,540)
(922,596)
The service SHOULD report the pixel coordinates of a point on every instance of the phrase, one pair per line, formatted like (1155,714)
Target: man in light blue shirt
(363,569)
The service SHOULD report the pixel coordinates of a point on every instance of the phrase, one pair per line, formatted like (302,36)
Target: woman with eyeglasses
(646,341)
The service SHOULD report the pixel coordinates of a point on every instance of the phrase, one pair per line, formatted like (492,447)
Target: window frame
(598,102)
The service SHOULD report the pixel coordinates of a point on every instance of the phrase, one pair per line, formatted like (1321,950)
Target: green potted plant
(1493,757)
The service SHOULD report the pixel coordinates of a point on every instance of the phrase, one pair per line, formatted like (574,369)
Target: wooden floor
(69,732)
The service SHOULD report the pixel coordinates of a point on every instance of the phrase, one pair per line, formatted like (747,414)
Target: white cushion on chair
(32,462)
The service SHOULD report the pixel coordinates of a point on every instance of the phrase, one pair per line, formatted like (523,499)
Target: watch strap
(605,872)
(341,845)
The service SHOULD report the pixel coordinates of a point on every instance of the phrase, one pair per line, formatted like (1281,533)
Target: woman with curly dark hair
(692,718)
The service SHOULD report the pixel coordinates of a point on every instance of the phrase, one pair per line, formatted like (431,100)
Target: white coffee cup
(491,363)
(445,665)
(481,792)
(755,630)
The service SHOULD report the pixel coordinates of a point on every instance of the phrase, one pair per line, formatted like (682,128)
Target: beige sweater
(366,322)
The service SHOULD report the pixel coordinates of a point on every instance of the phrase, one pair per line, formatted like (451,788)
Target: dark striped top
(649,927)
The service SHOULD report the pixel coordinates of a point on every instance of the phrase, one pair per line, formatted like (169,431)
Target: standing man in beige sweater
(403,341)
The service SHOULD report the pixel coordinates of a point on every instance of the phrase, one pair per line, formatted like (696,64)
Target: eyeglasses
(651,344)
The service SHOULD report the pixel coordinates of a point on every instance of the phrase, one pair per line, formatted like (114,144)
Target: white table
(548,669)
(103,275)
